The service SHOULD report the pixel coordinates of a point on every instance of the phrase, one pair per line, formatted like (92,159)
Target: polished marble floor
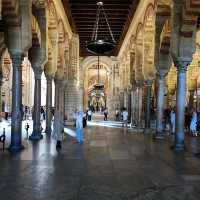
(113,163)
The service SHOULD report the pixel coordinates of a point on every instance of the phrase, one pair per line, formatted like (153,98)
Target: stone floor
(113,163)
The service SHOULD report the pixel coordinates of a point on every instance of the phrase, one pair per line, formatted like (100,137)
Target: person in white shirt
(125,117)
(79,126)
(172,121)
(89,113)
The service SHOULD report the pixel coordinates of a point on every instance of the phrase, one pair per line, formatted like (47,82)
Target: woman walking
(79,126)
(193,124)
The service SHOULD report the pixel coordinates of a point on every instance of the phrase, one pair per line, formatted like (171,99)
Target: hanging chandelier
(100,46)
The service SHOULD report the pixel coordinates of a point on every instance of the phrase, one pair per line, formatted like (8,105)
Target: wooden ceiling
(82,15)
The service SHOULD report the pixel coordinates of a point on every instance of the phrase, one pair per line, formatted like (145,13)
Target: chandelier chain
(96,25)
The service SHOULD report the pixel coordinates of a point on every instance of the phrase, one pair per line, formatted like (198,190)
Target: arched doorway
(96,97)
(96,91)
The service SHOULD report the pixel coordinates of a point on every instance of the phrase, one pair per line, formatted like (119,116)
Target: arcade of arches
(157,65)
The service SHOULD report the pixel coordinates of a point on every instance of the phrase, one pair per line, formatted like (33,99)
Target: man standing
(125,117)
(79,126)
(105,114)
(89,115)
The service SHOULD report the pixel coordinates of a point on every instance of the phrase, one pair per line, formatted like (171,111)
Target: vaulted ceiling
(82,15)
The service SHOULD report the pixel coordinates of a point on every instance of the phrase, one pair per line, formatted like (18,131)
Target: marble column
(132,108)
(160,104)
(59,112)
(36,134)
(1,82)
(148,104)
(140,107)
(129,105)
(137,105)
(62,105)
(180,105)
(49,104)
(16,116)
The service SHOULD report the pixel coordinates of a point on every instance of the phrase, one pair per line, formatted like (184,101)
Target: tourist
(125,117)
(42,112)
(86,114)
(6,109)
(89,115)
(105,114)
(79,126)
(117,115)
(26,112)
(167,112)
(172,121)
(198,122)
(187,119)
(193,123)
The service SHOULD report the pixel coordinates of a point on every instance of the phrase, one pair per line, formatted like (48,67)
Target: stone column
(16,116)
(148,104)
(36,134)
(133,107)
(1,82)
(160,104)
(180,105)
(49,104)
(129,105)
(137,104)
(62,105)
(140,103)
(59,112)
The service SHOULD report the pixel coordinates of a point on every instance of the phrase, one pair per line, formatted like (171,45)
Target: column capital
(182,64)
(17,58)
(139,83)
(148,82)
(37,72)
(58,81)
(49,77)
(160,76)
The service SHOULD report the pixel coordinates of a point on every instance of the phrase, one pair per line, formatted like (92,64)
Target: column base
(36,136)
(15,148)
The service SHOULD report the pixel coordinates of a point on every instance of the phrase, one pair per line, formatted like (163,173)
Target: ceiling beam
(93,12)
(118,20)
(105,1)
(94,7)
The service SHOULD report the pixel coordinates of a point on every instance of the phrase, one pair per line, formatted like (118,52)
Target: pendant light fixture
(97,45)
(98,88)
